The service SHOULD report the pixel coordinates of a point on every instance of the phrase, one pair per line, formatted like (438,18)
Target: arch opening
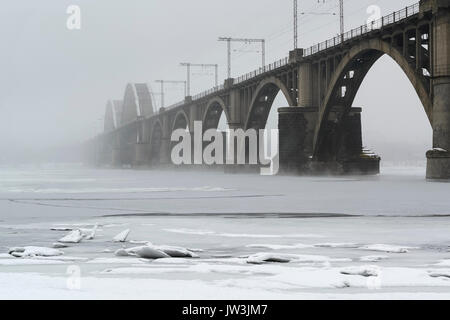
(339,134)
(267,95)
(215,116)
(263,115)
(181,121)
(405,146)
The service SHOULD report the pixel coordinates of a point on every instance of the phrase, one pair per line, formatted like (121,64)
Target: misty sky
(54,83)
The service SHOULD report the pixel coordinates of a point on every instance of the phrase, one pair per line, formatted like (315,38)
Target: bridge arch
(112,115)
(156,137)
(213,112)
(137,102)
(181,121)
(109,124)
(262,101)
(346,81)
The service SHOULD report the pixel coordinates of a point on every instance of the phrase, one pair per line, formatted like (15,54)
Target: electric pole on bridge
(341,20)
(162,82)
(229,40)
(189,65)
(341,15)
(295,24)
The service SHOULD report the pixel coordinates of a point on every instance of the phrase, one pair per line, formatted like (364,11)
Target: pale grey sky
(55,82)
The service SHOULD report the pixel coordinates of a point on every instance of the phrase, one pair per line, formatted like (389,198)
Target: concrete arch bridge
(320,130)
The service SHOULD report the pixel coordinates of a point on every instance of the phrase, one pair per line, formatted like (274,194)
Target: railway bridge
(320,130)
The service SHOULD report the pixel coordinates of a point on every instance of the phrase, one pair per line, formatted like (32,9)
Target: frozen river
(338,237)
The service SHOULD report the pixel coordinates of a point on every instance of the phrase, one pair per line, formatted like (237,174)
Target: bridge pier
(350,154)
(342,151)
(164,151)
(438,159)
(296,134)
(116,157)
(142,154)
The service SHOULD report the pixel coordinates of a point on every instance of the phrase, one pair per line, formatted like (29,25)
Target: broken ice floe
(73,237)
(59,245)
(122,237)
(156,252)
(90,235)
(177,252)
(61,229)
(22,252)
(440,274)
(147,252)
(261,258)
(365,271)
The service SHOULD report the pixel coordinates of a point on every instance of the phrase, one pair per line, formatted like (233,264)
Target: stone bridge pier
(438,166)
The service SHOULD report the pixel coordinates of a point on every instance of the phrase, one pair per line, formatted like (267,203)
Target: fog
(55,82)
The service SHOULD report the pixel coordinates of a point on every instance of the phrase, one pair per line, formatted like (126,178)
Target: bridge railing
(208,92)
(394,17)
(277,64)
(175,105)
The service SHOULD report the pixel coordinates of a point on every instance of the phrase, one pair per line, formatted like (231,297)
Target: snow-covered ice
(261,258)
(388,248)
(279,246)
(252,237)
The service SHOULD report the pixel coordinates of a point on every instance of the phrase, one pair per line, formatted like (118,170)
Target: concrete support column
(194,115)
(351,136)
(115,151)
(116,160)
(305,85)
(405,44)
(418,51)
(165,141)
(296,134)
(342,148)
(142,154)
(142,147)
(236,109)
(122,148)
(438,166)
(350,155)
(319,83)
